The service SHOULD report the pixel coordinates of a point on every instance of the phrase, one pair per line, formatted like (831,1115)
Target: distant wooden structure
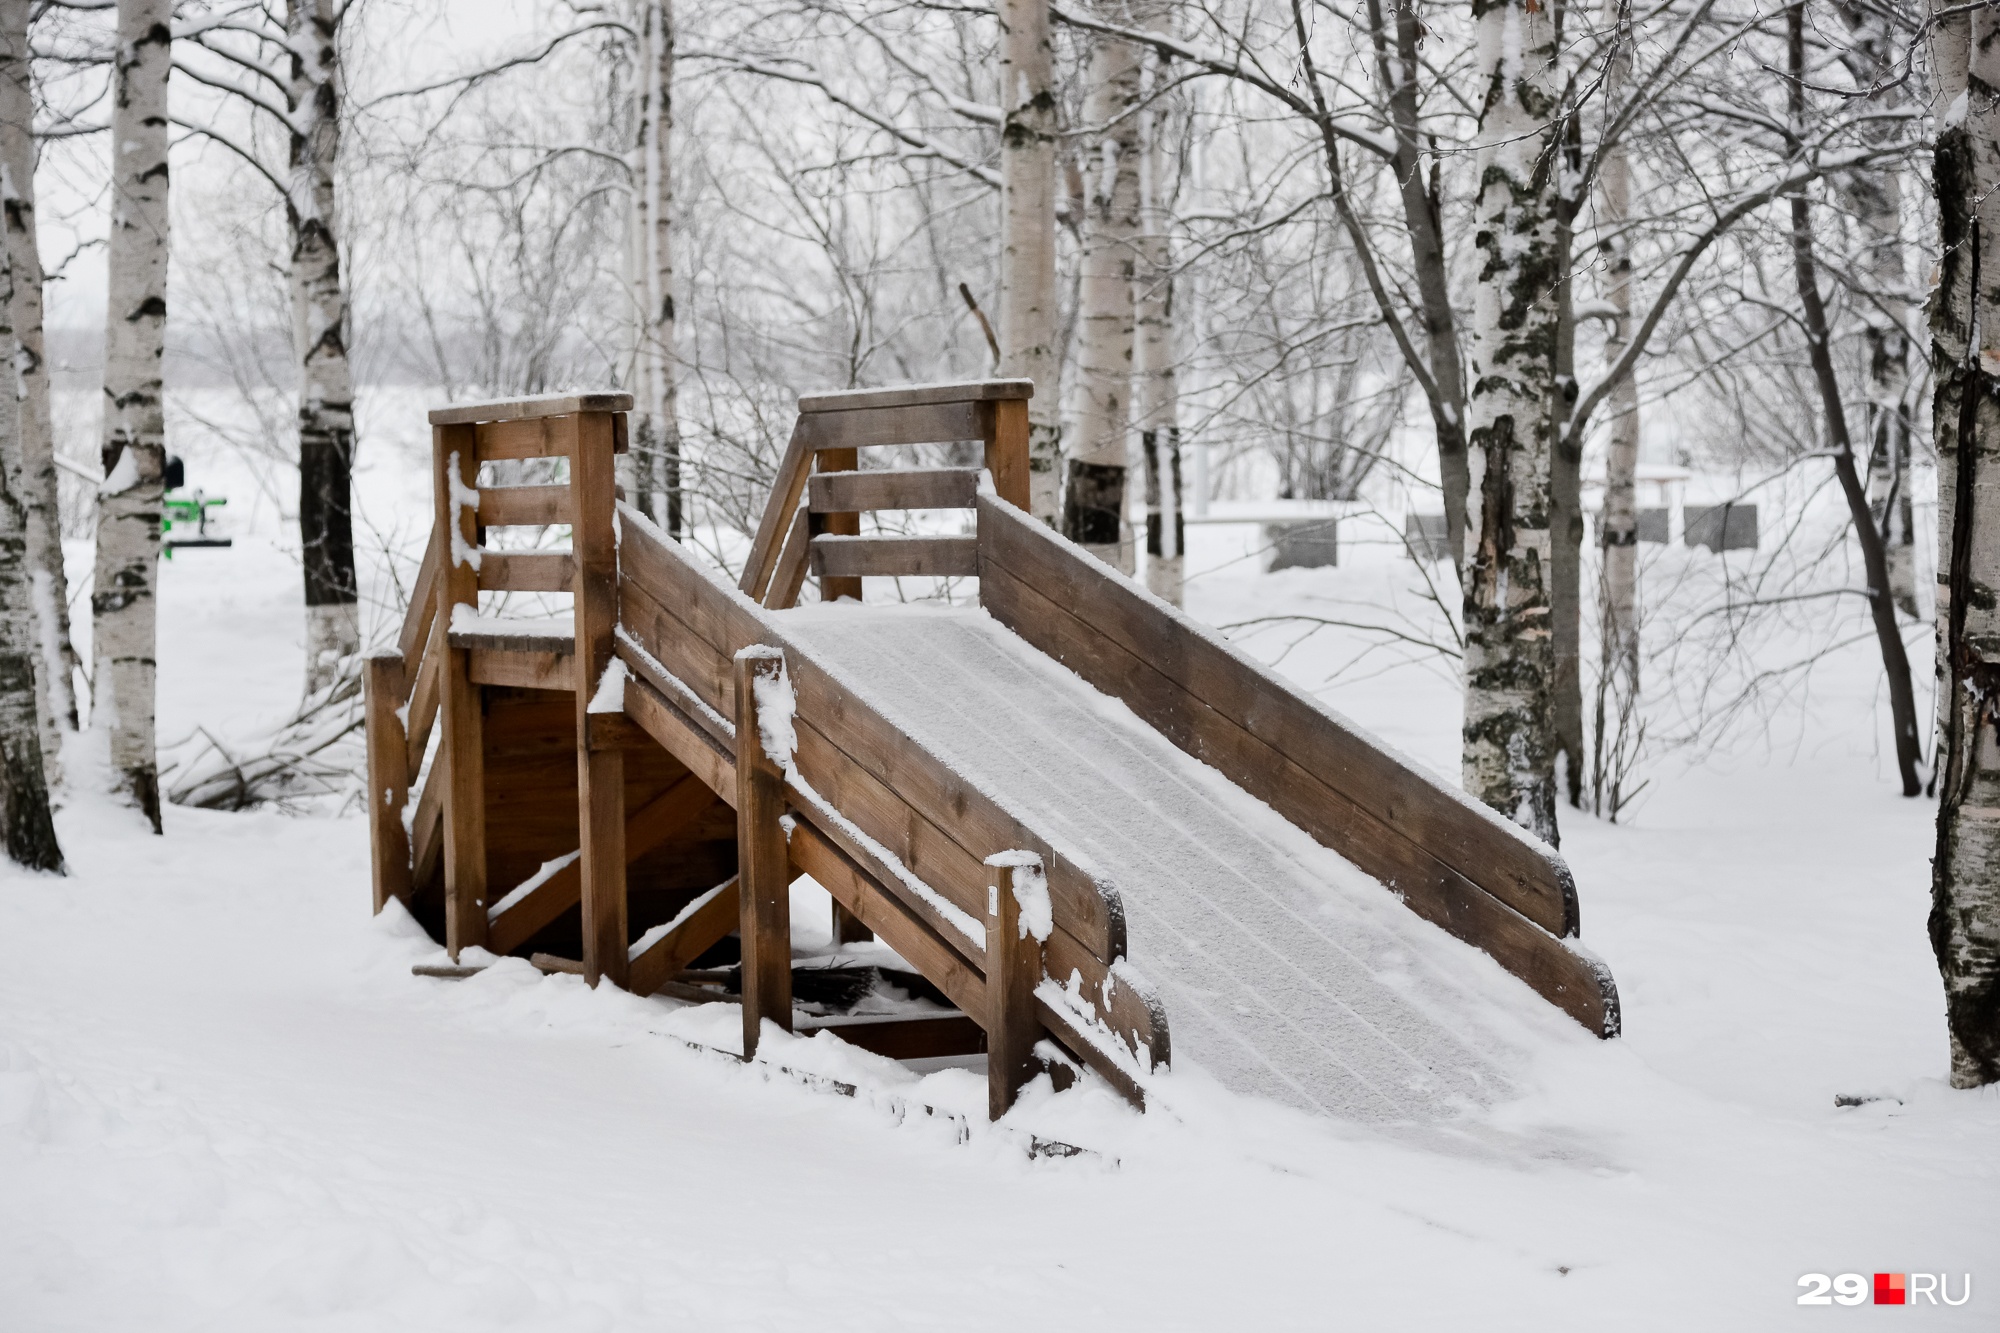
(595,792)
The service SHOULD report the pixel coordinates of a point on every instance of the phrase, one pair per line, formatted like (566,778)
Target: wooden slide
(1074,812)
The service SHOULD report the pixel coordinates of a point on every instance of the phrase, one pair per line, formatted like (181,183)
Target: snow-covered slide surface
(1286,971)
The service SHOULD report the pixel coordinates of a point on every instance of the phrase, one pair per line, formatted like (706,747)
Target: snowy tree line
(1473,248)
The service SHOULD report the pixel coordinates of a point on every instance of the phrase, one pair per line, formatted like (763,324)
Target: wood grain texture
(789,579)
(1006,435)
(523,506)
(872,427)
(787,485)
(600,774)
(890,557)
(763,861)
(893,488)
(1013,970)
(460,763)
(530,407)
(422,611)
(833,586)
(388,782)
(423,704)
(526,571)
(674,951)
(542,670)
(923,1038)
(917,395)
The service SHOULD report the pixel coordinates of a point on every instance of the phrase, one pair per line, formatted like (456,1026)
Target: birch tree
(1030,312)
(657,446)
(1158,392)
(123,602)
(1101,411)
(1509,647)
(287,69)
(26,826)
(36,486)
(1965,358)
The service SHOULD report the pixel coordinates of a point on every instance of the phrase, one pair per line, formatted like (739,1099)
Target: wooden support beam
(842,560)
(918,1038)
(786,487)
(698,928)
(666,815)
(920,423)
(423,700)
(836,584)
(1014,932)
(388,788)
(600,773)
(462,758)
(790,575)
(763,862)
(527,571)
(849,928)
(543,670)
(897,488)
(422,611)
(524,506)
(1006,434)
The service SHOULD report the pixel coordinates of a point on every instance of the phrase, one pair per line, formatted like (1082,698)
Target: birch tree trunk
(26,828)
(36,489)
(658,446)
(1618,527)
(1566,493)
(1875,197)
(1158,389)
(1030,312)
(122,601)
(1509,647)
(1965,357)
(319,314)
(1094,493)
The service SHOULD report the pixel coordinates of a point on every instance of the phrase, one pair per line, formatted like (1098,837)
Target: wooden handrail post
(462,758)
(763,859)
(1018,922)
(832,587)
(1006,422)
(600,760)
(382,693)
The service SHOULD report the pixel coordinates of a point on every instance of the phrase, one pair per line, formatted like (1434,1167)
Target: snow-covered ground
(225,1102)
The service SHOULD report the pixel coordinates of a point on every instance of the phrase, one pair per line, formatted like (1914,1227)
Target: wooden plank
(888,557)
(417,620)
(540,437)
(678,735)
(902,488)
(461,756)
(790,576)
(519,670)
(526,571)
(931,423)
(652,824)
(423,706)
(688,659)
(917,395)
(523,506)
(920,1038)
(427,833)
(388,785)
(786,486)
(817,854)
(714,915)
(763,863)
(1006,438)
(600,773)
(1013,970)
(710,615)
(1516,868)
(499,634)
(539,405)
(1435,890)
(834,586)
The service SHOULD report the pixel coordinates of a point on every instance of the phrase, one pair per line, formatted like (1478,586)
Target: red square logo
(1890,1289)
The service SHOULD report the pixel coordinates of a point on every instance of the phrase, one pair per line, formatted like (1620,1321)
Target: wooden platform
(597,788)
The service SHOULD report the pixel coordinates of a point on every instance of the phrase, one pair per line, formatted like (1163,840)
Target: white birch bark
(1101,411)
(1509,739)
(659,439)
(319,313)
(122,602)
(1030,313)
(1618,526)
(1158,392)
(36,492)
(26,829)
(1965,355)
